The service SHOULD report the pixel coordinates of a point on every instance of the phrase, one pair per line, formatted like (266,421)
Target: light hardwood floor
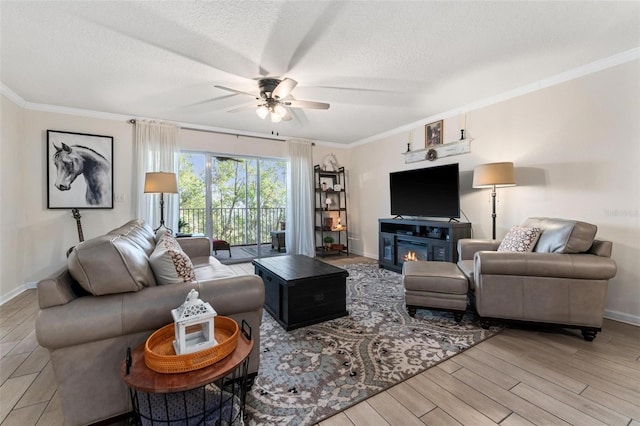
(519,377)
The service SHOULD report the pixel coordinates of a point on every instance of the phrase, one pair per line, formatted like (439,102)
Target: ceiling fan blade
(237,91)
(306,104)
(283,89)
(246,107)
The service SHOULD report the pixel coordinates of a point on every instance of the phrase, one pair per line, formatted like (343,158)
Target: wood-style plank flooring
(520,377)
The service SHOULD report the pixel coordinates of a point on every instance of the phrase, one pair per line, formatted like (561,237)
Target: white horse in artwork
(75,160)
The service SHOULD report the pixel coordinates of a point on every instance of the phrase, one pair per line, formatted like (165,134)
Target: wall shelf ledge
(462,146)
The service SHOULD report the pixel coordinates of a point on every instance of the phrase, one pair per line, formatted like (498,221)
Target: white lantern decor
(193,321)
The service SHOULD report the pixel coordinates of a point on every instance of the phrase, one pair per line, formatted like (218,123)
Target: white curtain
(300,202)
(155,149)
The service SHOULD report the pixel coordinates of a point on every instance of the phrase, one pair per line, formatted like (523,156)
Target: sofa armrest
(467,247)
(56,290)
(195,246)
(578,266)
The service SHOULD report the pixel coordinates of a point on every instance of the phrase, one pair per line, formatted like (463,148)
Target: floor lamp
(160,183)
(493,175)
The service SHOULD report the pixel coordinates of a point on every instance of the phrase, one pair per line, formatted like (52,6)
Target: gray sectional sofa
(109,298)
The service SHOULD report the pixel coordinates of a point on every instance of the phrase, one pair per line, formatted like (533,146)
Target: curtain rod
(133,121)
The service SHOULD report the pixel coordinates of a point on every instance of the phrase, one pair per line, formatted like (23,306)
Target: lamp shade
(157,182)
(498,174)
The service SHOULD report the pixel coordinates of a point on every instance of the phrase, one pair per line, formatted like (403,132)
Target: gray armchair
(563,281)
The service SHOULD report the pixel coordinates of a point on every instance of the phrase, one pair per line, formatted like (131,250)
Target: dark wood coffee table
(301,291)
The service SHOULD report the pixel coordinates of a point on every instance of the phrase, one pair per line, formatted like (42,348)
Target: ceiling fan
(274,99)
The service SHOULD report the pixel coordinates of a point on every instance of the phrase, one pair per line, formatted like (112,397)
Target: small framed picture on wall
(433,133)
(79,170)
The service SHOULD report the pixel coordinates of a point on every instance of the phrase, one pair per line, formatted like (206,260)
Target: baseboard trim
(17,291)
(622,317)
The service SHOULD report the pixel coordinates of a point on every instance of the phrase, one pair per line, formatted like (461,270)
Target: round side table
(211,395)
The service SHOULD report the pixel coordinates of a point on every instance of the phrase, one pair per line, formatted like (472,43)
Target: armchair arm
(578,266)
(195,246)
(467,247)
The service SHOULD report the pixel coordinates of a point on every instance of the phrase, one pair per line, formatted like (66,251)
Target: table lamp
(160,183)
(493,175)
(328,202)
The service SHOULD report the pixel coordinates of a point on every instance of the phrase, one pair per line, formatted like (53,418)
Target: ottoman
(435,285)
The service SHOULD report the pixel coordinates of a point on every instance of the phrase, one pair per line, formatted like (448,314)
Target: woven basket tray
(160,356)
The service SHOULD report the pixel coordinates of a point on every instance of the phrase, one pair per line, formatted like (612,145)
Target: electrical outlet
(120,198)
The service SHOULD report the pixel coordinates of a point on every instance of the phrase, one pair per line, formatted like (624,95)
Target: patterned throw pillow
(161,233)
(170,264)
(520,239)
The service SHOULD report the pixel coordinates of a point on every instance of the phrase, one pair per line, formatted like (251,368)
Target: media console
(402,240)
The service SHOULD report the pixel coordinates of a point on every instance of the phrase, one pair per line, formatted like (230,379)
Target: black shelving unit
(330,219)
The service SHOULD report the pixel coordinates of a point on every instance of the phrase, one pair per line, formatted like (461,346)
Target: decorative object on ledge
(442,150)
(432,154)
(491,176)
(433,133)
(330,163)
(328,202)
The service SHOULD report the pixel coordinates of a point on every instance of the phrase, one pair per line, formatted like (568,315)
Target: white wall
(11,188)
(576,150)
(34,239)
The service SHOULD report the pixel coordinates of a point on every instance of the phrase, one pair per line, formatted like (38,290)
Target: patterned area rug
(313,372)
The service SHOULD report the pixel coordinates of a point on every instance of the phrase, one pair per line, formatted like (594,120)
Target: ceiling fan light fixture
(262,111)
(275,117)
(282,111)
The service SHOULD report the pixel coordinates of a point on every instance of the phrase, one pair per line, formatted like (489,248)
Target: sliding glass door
(236,199)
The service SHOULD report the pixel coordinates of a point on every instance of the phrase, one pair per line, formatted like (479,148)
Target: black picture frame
(72,156)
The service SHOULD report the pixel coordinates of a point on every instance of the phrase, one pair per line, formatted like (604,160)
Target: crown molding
(13,96)
(572,74)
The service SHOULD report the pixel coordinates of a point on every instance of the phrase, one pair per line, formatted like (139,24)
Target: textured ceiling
(380,64)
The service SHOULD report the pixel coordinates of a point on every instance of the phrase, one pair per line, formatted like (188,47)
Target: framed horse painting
(79,171)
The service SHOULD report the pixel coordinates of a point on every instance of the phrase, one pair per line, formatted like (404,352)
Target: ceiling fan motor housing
(267,86)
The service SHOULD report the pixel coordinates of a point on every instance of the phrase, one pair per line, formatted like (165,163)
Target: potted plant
(183,226)
(328,240)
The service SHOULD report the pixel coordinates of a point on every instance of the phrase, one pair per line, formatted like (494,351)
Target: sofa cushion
(561,235)
(110,264)
(209,268)
(520,239)
(170,264)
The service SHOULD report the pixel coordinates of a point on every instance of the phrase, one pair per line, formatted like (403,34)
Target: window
(245,201)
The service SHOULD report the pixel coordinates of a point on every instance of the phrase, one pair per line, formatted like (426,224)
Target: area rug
(313,372)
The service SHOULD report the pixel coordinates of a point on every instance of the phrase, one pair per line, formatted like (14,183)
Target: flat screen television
(428,192)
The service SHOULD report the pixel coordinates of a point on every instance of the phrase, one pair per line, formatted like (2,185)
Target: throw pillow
(161,233)
(520,239)
(170,264)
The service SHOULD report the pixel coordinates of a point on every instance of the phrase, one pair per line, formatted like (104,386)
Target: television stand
(403,240)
